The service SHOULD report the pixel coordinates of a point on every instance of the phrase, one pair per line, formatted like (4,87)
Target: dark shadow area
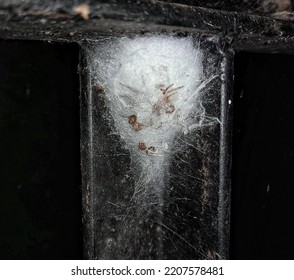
(263,157)
(40,178)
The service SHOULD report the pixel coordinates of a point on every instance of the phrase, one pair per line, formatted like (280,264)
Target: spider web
(159,83)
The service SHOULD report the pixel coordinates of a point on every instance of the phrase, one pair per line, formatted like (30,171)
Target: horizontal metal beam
(42,20)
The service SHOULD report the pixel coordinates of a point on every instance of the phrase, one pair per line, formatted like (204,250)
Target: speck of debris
(83,10)
(99,87)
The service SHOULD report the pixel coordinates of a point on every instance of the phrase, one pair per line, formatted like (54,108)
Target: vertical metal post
(191,220)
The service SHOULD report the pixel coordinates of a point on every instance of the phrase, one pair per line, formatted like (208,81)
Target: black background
(40,194)
(263,157)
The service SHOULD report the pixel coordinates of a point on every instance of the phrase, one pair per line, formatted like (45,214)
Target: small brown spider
(143,147)
(133,122)
(164,103)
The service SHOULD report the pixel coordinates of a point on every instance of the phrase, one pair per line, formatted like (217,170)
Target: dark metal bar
(188,225)
(86,118)
(225,155)
(40,20)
